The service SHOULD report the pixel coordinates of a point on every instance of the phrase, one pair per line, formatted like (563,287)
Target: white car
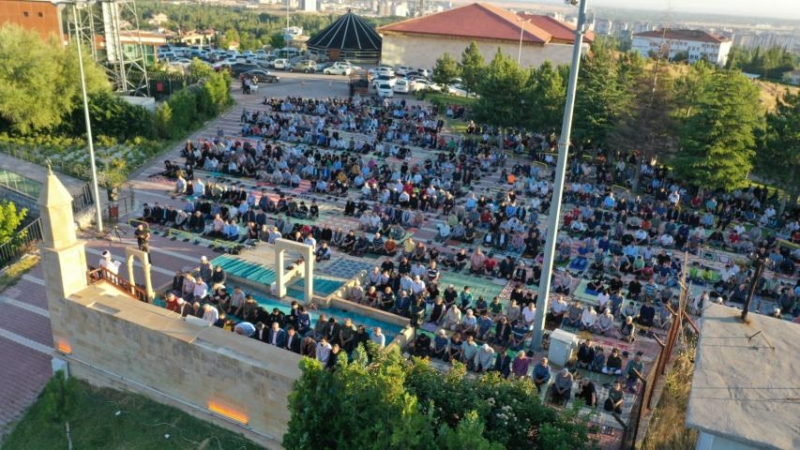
(384,70)
(425,85)
(337,70)
(385,90)
(281,64)
(457,90)
(402,86)
(380,79)
(403,70)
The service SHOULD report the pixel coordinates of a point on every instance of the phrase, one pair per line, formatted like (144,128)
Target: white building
(309,6)
(698,45)
(603,26)
(400,9)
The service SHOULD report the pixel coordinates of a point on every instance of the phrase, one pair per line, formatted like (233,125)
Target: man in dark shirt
(587,392)
(647,314)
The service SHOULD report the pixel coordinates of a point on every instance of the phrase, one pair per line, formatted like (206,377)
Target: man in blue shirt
(541,374)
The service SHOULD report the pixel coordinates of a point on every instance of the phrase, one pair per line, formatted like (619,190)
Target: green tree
(778,160)
(445,69)
(545,96)
(472,66)
(199,69)
(646,127)
(10,220)
(598,102)
(501,91)
(39,83)
(717,134)
(277,40)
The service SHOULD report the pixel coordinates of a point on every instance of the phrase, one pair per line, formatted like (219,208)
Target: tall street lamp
(95,190)
(560,175)
(522,21)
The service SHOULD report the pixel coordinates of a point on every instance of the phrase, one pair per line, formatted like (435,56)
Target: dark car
(238,69)
(261,75)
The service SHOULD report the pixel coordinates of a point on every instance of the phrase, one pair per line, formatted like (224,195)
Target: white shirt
(323,352)
(529,314)
(200,290)
(109,265)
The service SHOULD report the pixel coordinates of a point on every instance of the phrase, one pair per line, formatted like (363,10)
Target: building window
(41,14)
(25,13)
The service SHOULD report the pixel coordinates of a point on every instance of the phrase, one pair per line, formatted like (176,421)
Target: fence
(94,276)
(24,241)
(125,204)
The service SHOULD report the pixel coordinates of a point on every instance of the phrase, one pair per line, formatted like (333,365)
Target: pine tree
(717,133)
(445,70)
(778,160)
(546,94)
(501,102)
(472,66)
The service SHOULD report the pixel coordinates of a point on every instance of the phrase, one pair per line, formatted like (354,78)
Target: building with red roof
(418,42)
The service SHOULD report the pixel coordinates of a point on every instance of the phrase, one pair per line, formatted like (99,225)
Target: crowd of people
(395,169)
(203,294)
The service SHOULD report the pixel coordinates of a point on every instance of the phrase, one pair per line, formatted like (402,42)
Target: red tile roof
(560,31)
(484,21)
(684,35)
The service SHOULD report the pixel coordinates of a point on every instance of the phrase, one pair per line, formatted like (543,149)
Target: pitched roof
(560,31)
(684,35)
(348,32)
(478,21)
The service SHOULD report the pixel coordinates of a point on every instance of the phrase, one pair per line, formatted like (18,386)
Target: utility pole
(558,184)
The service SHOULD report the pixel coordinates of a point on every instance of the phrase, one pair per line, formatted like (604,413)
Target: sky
(785,9)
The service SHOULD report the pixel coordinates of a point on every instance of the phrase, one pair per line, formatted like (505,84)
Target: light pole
(522,21)
(95,190)
(558,184)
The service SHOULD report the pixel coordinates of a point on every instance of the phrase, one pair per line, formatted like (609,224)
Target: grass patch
(12,274)
(444,99)
(667,430)
(141,424)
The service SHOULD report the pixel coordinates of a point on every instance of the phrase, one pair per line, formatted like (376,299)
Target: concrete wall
(422,51)
(110,339)
(707,441)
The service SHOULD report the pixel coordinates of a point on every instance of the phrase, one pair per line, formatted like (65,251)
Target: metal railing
(94,276)
(82,198)
(23,242)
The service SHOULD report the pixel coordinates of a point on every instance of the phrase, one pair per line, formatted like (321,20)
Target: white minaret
(63,255)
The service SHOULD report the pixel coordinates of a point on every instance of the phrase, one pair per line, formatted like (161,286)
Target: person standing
(143,240)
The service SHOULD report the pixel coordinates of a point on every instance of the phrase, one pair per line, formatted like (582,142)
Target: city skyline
(778,9)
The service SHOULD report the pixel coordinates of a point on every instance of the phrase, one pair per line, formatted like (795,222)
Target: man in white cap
(107,263)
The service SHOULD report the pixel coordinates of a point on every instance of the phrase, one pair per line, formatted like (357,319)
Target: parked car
(380,79)
(281,64)
(238,69)
(403,71)
(305,65)
(457,90)
(384,70)
(385,90)
(402,86)
(425,85)
(261,75)
(337,69)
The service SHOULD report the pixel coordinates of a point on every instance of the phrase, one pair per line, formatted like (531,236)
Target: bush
(391,403)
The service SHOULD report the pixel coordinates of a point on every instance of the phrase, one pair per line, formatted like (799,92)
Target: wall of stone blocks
(150,350)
